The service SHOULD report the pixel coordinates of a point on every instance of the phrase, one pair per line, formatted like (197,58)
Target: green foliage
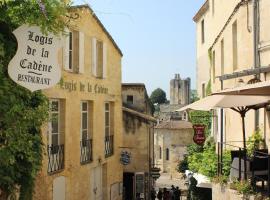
(208,90)
(255,142)
(21,112)
(201,117)
(226,163)
(194,96)
(18,12)
(243,187)
(183,165)
(158,96)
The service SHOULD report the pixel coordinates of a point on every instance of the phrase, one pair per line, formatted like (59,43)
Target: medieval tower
(179,90)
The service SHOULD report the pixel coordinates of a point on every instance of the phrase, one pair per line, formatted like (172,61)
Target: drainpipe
(255,34)
(255,50)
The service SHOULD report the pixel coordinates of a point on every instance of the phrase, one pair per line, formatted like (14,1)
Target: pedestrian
(153,194)
(166,194)
(172,192)
(177,194)
(159,194)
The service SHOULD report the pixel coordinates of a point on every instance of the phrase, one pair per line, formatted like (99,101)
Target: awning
(226,101)
(261,88)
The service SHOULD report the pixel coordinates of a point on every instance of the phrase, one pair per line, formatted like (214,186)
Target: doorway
(128,184)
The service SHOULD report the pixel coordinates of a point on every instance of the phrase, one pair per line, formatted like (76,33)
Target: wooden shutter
(66,52)
(81,52)
(94,56)
(104,66)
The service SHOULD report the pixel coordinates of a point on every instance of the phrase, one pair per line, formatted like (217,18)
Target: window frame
(109,118)
(87,120)
(167,154)
(70,51)
(50,139)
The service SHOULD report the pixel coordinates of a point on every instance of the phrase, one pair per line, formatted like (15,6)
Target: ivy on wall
(22,113)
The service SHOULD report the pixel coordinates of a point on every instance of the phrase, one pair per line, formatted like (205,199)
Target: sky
(157,38)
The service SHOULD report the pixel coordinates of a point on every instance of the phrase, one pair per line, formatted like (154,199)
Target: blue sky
(157,38)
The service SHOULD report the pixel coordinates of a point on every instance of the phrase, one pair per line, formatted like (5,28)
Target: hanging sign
(199,136)
(155,172)
(35,65)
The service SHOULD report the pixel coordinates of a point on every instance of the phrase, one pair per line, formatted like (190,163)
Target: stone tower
(179,90)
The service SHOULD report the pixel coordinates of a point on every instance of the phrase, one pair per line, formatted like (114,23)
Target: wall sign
(199,136)
(35,65)
(125,158)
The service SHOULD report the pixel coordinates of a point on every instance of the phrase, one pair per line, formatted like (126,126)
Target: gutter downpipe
(256,51)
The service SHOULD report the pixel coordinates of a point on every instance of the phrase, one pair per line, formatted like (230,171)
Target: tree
(158,96)
(21,112)
(194,96)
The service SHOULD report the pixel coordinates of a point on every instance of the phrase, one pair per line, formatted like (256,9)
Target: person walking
(159,194)
(166,194)
(153,194)
(177,194)
(172,192)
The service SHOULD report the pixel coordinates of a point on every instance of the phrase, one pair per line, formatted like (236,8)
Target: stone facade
(83,137)
(138,140)
(179,90)
(225,46)
(171,140)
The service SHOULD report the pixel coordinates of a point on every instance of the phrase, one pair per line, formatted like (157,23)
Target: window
(54,130)
(130,99)
(109,126)
(202,31)
(203,90)
(73,51)
(235,46)
(214,66)
(160,152)
(107,119)
(167,154)
(98,58)
(222,56)
(84,121)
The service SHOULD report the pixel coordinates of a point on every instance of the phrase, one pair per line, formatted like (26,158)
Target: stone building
(138,141)
(232,40)
(179,90)
(171,140)
(83,136)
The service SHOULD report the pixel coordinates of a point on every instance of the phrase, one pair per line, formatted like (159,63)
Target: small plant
(255,142)
(222,180)
(243,187)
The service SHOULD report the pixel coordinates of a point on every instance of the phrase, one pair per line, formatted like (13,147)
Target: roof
(133,85)
(201,11)
(100,23)
(174,124)
(139,114)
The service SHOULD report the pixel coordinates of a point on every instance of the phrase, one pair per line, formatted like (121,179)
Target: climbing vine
(22,113)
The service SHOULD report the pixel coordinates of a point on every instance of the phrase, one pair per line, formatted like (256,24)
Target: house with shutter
(84,132)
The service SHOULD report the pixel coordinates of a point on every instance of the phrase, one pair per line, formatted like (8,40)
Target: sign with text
(199,136)
(35,65)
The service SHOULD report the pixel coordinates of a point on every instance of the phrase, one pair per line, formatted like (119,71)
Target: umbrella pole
(245,147)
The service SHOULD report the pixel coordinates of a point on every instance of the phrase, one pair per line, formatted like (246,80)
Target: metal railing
(86,151)
(258,168)
(55,158)
(109,146)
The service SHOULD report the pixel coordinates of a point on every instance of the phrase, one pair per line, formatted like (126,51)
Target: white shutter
(81,52)
(66,52)
(94,56)
(104,60)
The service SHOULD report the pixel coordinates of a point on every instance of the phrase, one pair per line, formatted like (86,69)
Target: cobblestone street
(165,180)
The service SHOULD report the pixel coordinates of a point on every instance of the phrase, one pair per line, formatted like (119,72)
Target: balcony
(55,158)
(108,146)
(86,151)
